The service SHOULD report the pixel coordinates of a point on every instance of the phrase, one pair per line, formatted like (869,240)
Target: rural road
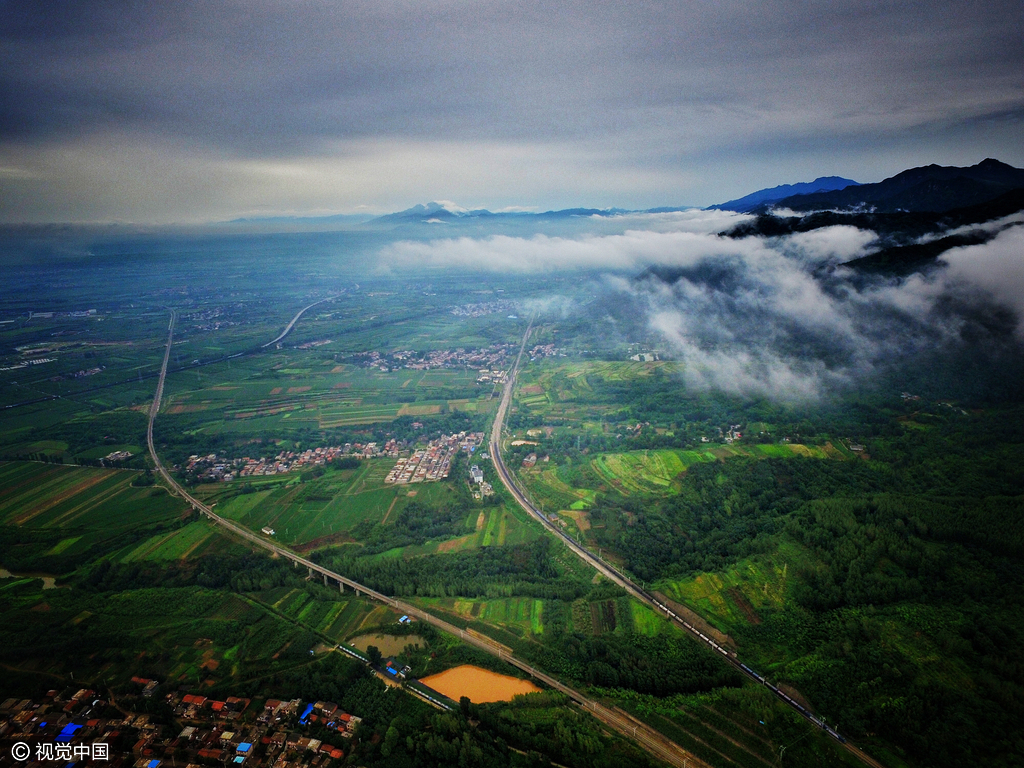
(509,481)
(616,719)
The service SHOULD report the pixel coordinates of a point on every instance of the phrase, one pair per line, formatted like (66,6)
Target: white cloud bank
(774,317)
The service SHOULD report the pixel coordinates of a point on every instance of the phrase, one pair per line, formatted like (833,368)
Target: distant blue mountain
(438,212)
(764,197)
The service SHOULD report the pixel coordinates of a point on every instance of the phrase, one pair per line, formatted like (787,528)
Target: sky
(165,112)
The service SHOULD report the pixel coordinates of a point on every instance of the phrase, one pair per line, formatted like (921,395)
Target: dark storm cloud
(651,103)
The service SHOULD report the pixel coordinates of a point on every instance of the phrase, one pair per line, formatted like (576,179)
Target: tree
(374,654)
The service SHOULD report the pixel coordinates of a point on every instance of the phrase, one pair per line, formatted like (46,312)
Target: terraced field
(734,598)
(655,472)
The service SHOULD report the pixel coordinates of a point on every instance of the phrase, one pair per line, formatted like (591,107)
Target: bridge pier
(341,587)
(310,573)
(325,579)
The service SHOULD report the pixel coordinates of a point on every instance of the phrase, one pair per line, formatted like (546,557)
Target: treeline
(662,665)
(415,524)
(111,427)
(520,570)
(239,573)
(725,512)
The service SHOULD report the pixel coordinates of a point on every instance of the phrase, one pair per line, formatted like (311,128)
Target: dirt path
(388,513)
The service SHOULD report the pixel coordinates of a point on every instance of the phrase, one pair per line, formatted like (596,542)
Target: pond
(481,686)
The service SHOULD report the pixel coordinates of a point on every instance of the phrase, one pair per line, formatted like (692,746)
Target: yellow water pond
(479,685)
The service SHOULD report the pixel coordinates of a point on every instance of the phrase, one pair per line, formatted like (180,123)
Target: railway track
(614,718)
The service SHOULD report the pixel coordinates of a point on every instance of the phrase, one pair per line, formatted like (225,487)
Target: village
(215,468)
(493,357)
(433,462)
(231,731)
(427,464)
(484,308)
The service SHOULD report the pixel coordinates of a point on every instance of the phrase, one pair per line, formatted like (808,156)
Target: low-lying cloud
(772,317)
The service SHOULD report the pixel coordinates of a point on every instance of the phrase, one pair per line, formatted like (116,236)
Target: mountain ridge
(762,197)
(934,188)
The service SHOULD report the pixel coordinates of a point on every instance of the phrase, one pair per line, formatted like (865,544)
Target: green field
(325,393)
(80,506)
(648,473)
(735,598)
(525,614)
(194,540)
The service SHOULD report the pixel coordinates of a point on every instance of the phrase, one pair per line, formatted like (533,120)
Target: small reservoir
(481,686)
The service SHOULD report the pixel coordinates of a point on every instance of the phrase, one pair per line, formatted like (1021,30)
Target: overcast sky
(181,112)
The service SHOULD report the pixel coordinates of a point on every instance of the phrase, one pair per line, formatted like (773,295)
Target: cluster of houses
(433,462)
(489,358)
(484,308)
(212,319)
(79,374)
(73,313)
(228,732)
(221,732)
(492,376)
(67,729)
(545,350)
(214,468)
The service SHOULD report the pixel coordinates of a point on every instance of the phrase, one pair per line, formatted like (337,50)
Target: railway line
(614,718)
(636,591)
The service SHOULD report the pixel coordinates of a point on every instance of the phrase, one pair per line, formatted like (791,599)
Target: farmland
(861,550)
(69,514)
(326,395)
(571,489)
